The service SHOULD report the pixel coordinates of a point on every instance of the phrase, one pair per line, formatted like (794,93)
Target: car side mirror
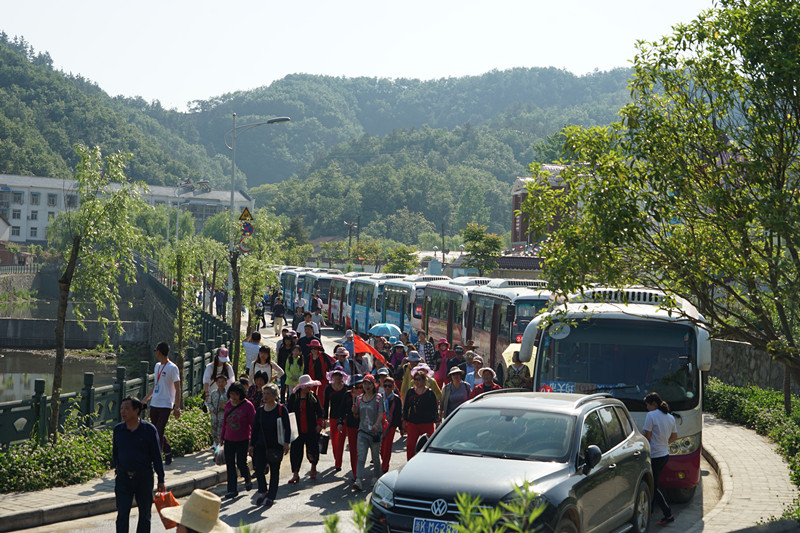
(423,440)
(593,455)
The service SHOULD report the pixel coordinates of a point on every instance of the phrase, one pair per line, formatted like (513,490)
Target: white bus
(628,343)
(404,301)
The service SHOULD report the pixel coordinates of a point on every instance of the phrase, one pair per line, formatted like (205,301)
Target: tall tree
(97,239)
(696,192)
(402,260)
(265,250)
(482,248)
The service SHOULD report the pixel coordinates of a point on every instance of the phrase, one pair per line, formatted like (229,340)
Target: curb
(101,504)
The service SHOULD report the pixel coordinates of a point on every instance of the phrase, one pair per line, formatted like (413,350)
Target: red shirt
(482,387)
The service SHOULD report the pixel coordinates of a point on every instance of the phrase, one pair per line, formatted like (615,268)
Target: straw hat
(304,382)
(200,512)
(485,369)
(455,370)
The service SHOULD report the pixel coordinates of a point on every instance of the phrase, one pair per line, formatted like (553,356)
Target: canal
(17,384)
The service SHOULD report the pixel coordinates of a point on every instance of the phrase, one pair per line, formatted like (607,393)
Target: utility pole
(358,230)
(443,248)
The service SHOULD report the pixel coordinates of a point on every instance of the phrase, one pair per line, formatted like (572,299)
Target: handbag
(163,500)
(292,429)
(219,455)
(324,439)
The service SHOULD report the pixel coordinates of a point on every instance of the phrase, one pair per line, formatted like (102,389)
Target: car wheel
(566,526)
(641,508)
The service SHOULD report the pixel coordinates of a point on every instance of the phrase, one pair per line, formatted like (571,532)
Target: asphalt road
(301,508)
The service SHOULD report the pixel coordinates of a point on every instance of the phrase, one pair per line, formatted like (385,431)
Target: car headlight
(382,495)
(685,445)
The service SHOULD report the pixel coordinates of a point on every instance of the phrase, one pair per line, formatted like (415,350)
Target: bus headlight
(685,445)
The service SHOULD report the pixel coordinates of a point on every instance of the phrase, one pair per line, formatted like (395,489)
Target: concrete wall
(739,364)
(33,333)
(9,282)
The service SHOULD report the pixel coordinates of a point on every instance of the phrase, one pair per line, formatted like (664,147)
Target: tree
(255,271)
(471,207)
(334,250)
(297,231)
(696,191)
(482,248)
(402,260)
(98,243)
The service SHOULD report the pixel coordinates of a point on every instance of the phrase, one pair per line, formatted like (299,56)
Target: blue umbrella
(384,329)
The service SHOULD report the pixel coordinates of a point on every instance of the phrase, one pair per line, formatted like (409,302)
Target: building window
(35,196)
(34,232)
(15,231)
(71,200)
(52,200)
(18,198)
(34,215)
(51,214)
(16,214)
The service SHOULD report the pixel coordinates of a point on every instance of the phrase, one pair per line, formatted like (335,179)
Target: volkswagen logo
(439,507)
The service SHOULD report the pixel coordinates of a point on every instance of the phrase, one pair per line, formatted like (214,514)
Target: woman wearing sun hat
(420,408)
(200,513)
(440,357)
(308,413)
(488,384)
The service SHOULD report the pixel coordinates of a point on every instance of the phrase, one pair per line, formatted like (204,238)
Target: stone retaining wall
(739,364)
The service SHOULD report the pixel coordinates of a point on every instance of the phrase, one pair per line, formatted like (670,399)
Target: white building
(27,203)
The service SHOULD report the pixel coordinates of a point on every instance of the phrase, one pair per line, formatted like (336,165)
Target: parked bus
(403,302)
(339,305)
(499,313)
(318,281)
(366,299)
(291,281)
(447,306)
(627,342)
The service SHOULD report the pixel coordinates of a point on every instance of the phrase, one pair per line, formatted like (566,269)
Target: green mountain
(405,155)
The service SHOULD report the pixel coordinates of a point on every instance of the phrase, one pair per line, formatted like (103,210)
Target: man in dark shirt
(136,452)
(304,341)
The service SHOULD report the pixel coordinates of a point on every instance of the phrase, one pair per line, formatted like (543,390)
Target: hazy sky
(178,50)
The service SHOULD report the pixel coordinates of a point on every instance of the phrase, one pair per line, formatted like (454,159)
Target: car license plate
(424,525)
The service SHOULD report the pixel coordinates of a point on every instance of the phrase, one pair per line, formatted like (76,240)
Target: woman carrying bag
(236,426)
(308,412)
(267,447)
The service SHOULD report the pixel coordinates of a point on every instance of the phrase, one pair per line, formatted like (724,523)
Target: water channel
(20,369)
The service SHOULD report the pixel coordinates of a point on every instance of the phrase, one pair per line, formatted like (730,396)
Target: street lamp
(234,131)
(460,250)
(351,226)
(436,249)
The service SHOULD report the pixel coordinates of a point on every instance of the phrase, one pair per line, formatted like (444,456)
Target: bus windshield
(524,311)
(627,358)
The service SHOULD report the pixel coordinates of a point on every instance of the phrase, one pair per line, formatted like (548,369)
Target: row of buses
(491,312)
(624,342)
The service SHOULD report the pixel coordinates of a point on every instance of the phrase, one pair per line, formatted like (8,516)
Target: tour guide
(135,452)
(164,394)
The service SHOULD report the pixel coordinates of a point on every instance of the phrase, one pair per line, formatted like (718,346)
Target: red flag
(362,347)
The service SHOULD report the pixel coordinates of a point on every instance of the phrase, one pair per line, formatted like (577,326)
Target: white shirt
(164,390)
(661,426)
(210,370)
(272,370)
(301,329)
(298,303)
(250,353)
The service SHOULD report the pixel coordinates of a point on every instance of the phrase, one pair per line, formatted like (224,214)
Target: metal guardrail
(20,269)
(22,420)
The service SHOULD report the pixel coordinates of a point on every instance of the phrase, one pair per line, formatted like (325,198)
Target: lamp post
(234,131)
(350,226)
(436,249)
(460,250)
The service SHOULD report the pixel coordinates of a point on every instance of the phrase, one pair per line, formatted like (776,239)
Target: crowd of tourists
(299,399)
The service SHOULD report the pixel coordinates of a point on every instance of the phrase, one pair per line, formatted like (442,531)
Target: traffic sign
(246,215)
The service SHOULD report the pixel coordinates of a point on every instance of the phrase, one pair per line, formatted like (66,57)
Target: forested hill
(406,155)
(43,113)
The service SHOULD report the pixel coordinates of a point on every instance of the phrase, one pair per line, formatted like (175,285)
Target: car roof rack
(498,391)
(593,397)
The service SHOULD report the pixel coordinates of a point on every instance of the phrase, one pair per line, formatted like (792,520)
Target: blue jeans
(128,485)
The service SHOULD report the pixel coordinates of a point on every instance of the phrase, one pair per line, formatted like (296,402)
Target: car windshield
(506,433)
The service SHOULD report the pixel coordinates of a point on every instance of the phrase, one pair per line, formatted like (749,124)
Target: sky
(176,51)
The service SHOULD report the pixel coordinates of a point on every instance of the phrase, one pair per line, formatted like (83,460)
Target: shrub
(82,454)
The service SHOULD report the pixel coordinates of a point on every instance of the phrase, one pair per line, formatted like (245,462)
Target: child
(216,407)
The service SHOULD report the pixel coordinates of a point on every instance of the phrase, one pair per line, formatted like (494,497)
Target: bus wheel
(676,495)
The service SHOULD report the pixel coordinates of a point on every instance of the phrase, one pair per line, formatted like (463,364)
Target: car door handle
(612,467)
(637,454)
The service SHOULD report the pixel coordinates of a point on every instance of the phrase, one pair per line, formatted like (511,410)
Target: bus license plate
(424,525)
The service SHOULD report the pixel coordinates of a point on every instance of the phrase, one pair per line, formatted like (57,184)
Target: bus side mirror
(510,312)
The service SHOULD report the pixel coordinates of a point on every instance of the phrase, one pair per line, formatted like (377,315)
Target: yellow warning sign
(246,215)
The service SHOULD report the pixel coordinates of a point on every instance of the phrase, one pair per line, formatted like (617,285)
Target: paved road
(753,485)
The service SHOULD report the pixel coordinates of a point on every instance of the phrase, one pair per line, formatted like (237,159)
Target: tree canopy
(697,191)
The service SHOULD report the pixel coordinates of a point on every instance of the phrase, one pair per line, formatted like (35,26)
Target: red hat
(369,377)
(443,341)
(315,344)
